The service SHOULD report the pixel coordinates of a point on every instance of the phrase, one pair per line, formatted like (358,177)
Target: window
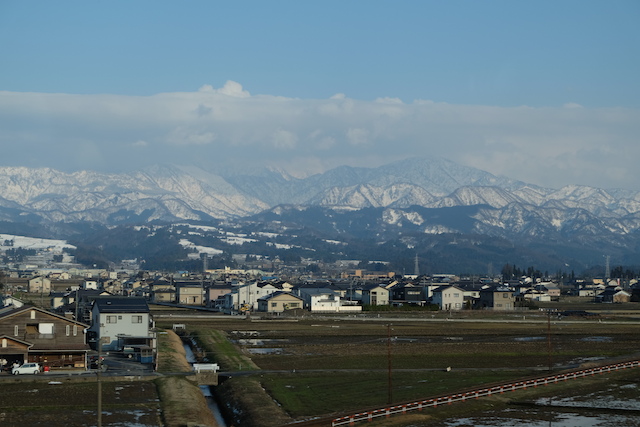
(15,330)
(67,330)
(112,319)
(294,304)
(274,304)
(136,319)
(456,295)
(45,328)
(75,330)
(505,295)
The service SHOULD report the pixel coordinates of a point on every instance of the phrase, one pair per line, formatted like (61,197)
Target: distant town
(56,298)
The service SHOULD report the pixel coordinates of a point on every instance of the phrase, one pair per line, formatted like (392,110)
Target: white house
(245,297)
(375,295)
(448,297)
(325,300)
(122,322)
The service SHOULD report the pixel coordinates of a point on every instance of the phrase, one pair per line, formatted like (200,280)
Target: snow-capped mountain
(166,193)
(426,205)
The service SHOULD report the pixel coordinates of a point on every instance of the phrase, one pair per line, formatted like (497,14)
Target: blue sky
(543,91)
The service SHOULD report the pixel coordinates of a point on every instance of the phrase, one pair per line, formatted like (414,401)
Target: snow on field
(236,240)
(34,243)
(265,234)
(335,242)
(200,249)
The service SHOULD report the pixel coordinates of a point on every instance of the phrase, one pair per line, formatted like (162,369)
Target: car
(26,368)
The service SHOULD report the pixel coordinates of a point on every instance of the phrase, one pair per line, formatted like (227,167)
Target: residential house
(213,292)
(375,294)
(326,300)
(40,285)
(189,293)
(166,295)
(90,284)
(408,292)
(8,300)
(549,288)
(32,334)
(448,297)
(613,295)
(499,298)
(245,297)
(280,301)
(120,323)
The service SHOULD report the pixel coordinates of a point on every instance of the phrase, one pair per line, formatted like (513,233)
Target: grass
(217,347)
(183,402)
(323,393)
(479,352)
(171,353)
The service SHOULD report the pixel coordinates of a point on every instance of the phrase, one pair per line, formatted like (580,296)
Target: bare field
(327,364)
(74,403)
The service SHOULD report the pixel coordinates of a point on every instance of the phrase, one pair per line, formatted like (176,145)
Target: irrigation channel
(205,389)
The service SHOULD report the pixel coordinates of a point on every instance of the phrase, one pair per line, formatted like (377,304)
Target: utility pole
(390,380)
(549,338)
(99,382)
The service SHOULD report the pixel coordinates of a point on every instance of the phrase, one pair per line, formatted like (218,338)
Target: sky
(546,92)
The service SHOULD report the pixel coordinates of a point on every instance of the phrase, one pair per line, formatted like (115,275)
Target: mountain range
(419,196)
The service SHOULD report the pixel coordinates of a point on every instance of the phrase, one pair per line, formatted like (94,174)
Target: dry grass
(183,403)
(171,354)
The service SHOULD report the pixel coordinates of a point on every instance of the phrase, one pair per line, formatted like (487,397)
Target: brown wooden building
(32,334)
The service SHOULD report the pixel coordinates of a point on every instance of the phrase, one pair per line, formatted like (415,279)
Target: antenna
(416,267)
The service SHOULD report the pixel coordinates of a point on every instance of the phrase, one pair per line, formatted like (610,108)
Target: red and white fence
(475,394)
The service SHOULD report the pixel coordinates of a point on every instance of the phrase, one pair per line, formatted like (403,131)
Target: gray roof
(121,305)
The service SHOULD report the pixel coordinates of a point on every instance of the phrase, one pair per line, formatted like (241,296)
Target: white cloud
(550,146)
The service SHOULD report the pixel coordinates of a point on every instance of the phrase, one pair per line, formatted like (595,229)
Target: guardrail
(481,392)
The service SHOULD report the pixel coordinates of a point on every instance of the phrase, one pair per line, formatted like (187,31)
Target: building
(40,285)
(32,334)
(279,301)
(375,294)
(448,297)
(121,324)
(499,298)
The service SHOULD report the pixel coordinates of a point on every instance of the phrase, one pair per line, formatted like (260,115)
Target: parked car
(26,368)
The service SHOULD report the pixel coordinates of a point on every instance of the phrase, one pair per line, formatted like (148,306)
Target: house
(549,288)
(613,295)
(190,294)
(8,300)
(536,295)
(499,298)
(326,300)
(375,294)
(215,291)
(448,297)
(39,285)
(32,334)
(121,323)
(408,292)
(279,301)
(167,295)
(245,297)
